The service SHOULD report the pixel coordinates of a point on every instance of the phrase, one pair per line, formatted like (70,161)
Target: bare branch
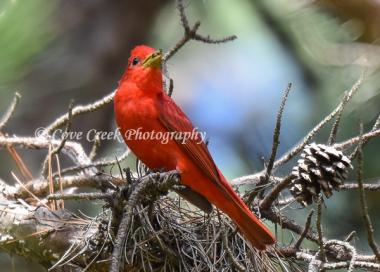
(190,33)
(10,111)
(305,230)
(78,110)
(294,151)
(276,134)
(273,194)
(355,140)
(72,149)
(95,147)
(375,127)
(319,229)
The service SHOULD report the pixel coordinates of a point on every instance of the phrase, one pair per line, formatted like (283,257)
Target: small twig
(319,229)
(171,87)
(96,164)
(10,111)
(73,149)
(363,200)
(276,133)
(350,236)
(355,140)
(305,230)
(78,110)
(190,33)
(334,130)
(58,149)
(266,203)
(53,205)
(95,147)
(29,192)
(62,202)
(375,127)
(287,223)
(68,127)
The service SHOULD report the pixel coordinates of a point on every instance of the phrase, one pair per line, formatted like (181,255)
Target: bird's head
(144,67)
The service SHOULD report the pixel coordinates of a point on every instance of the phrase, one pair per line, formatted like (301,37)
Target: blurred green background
(52,51)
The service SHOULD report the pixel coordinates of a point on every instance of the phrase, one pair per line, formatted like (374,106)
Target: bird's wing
(175,120)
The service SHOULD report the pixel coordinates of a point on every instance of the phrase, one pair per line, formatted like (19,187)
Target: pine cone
(320,168)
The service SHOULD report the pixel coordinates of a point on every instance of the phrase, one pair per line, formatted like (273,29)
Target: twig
(294,151)
(78,110)
(73,149)
(62,202)
(350,236)
(276,133)
(305,231)
(350,142)
(10,111)
(171,87)
(289,224)
(58,149)
(96,164)
(363,200)
(68,127)
(273,194)
(319,229)
(275,144)
(334,130)
(29,192)
(190,33)
(375,127)
(95,147)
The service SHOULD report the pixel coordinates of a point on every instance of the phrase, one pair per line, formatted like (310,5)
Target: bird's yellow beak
(153,60)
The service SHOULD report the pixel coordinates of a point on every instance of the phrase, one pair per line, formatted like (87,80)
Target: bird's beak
(153,60)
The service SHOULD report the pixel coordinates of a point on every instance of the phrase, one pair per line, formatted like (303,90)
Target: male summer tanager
(142,104)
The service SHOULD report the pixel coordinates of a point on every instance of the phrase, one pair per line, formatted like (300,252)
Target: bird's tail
(252,228)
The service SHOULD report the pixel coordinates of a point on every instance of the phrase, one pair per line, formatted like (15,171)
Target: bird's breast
(138,122)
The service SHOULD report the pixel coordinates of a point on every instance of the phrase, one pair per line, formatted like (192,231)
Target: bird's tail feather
(255,231)
(252,228)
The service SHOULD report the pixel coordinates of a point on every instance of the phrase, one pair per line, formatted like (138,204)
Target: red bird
(143,108)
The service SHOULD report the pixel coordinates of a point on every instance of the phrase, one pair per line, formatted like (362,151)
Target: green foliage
(25,29)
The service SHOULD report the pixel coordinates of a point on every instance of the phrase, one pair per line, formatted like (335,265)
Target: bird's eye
(135,61)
